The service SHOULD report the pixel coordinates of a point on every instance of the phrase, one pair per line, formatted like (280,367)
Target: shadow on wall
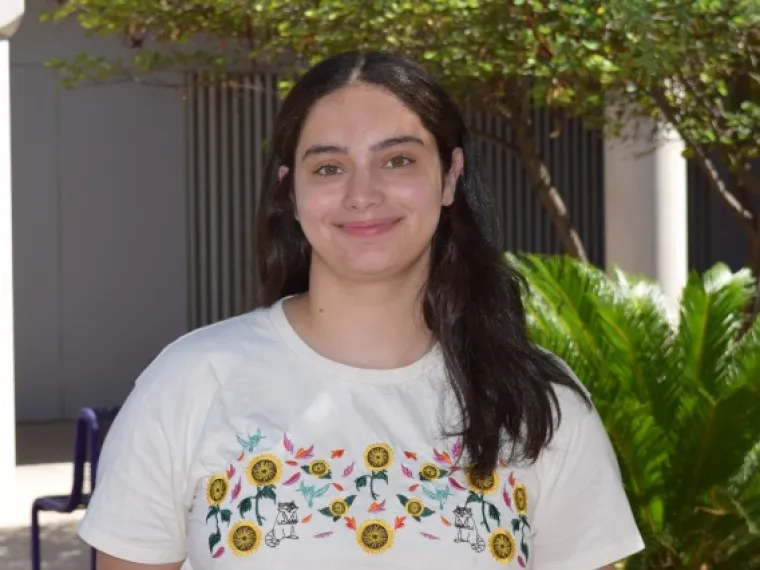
(61,548)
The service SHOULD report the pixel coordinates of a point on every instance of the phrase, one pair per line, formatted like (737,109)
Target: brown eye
(328,170)
(398,161)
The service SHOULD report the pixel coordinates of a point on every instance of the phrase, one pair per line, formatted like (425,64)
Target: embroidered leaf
(444,473)
(381,475)
(414,487)
(454,469)
(410,455)
(218,553)
(377,507)
(442,457)
(472,498)
(306,519)
(212,512)
(338,486)
(350,500)
(213,540)
(493,512)
(444,521)
(326,512)
(456,450)
(348,470)
(305,453)
(245,506)
(287,443)
(512,479)
(427,512)
(524,520)
(323,534)
(521,562)
(418,519)
(226,516)
(502,463)
(361,482)
(337,453)
(515,525)
(406,471)
(429,536)
(230,472)
(455,484)
(267,492)
(236,489)
(292,463)
(399,522)
(241,456)
(524,548)
(403,500)
(321,491)
(351,523)
(294,479)
(506,497)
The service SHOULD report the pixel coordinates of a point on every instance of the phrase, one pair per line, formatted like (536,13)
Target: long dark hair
(473,298)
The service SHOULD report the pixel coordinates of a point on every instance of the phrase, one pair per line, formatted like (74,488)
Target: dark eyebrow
(387,143)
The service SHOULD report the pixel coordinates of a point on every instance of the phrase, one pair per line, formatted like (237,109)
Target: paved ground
(44,452)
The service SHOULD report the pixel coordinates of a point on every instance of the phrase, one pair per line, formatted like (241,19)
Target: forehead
(358,116)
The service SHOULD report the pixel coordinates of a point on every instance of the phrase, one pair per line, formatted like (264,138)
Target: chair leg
(35,538)
(93,559)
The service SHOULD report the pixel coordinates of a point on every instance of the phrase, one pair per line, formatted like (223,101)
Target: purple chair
(88,440)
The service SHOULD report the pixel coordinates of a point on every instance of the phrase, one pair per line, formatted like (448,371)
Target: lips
(369,228)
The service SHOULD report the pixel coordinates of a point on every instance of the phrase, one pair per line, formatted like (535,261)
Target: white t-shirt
(241,447)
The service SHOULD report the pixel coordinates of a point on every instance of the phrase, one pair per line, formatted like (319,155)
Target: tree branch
(505,144)
(706,164)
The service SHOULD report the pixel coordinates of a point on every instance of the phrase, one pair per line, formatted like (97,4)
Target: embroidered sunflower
(378,457)
(482,484)
(430,472)
(520,497)
(264,470)
(338,507)
(319,468)
(502,545)
(244,538)
(216,490)
(374,536)
(414,507)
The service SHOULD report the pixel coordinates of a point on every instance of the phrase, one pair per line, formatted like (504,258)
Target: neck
(364,324)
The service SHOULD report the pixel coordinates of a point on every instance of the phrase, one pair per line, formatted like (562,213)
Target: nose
(363,191)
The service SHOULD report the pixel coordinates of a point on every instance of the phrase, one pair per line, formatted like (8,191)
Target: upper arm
(583,520)
(137,514)
(106,562)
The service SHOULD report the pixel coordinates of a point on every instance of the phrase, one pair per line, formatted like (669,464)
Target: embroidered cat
(284,524)
(467,530)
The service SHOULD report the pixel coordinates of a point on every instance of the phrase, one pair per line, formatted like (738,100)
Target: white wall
(99,226)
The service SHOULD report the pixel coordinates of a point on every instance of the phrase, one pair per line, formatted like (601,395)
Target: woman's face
(369,185)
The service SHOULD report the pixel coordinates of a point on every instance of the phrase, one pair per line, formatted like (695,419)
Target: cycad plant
(678,394)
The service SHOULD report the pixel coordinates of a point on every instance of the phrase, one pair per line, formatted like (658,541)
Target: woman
(384,407)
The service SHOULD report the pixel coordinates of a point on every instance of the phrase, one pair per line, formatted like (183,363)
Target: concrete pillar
(646,209)
(10,16)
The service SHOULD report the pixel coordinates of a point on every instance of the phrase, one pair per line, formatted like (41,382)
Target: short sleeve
(138,510)
(583,520)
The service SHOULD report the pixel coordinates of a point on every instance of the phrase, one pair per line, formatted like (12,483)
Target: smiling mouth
(369,228)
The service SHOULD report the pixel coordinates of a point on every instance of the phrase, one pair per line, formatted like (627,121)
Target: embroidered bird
(310,492)
(438,494)
(252,442)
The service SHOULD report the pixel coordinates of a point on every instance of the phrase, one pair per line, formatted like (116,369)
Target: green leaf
(226,516)
(493,512)
(213,540)
(427,512)
(245,506)
(381,475)
(361,482)
(212,512)
(326,511)
(268,492)
(515,525)
(473,498)
(524,549)
(350,500)
(403,500)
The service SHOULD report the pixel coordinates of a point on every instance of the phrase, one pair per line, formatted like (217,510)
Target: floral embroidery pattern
(318,481)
